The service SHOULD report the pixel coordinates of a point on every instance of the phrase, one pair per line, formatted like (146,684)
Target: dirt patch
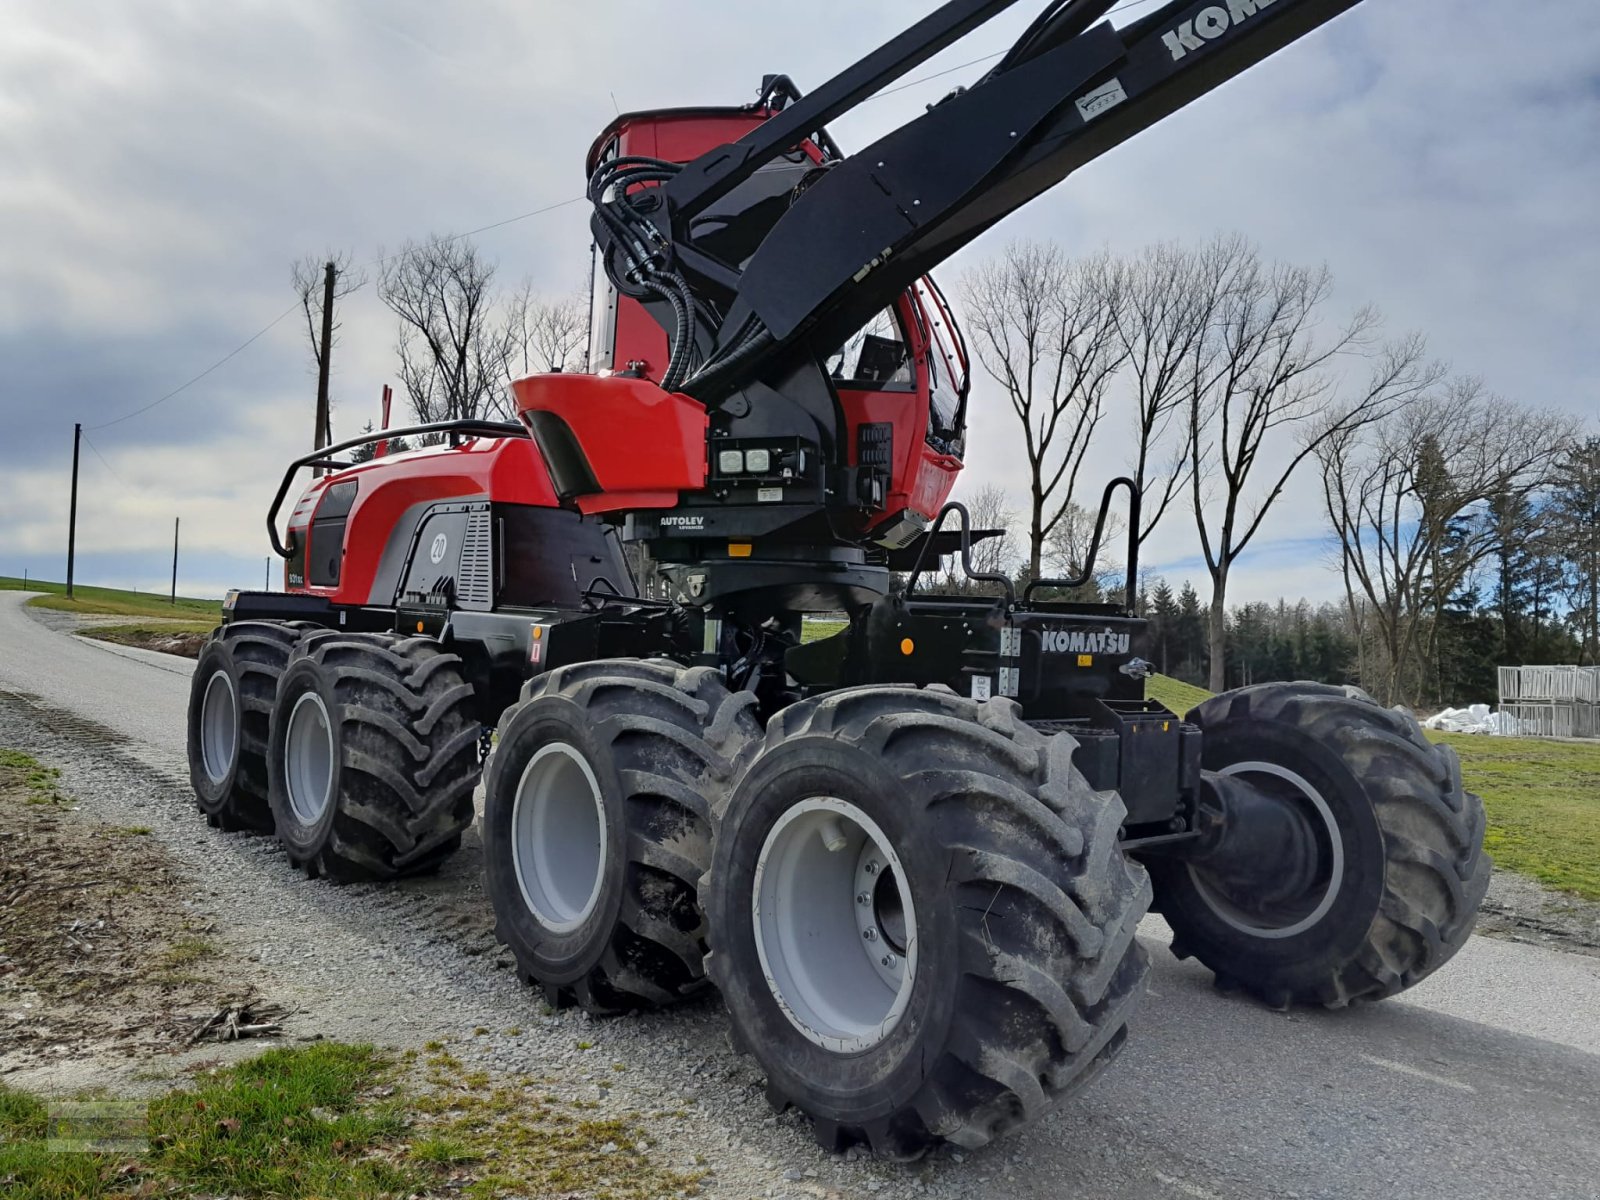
(185,643)
(1518,909)
(101,952)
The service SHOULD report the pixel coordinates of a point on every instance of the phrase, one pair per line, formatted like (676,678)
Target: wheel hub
(219,727)
(835,928)
(558,837)
(1277,864)
(308,758)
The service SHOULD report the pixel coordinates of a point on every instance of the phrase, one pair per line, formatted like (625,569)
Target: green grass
(1178,696)
(1543,804)
(814,629)
(141,631)
(1542,798)
(187,951)
(293,1122)
(343,1122)
(39,781)
(114,601)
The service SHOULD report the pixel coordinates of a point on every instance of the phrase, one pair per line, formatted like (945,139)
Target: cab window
(876,356)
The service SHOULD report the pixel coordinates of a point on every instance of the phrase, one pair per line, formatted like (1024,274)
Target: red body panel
(677,136)
(508,469)
(644,445)
(923,477)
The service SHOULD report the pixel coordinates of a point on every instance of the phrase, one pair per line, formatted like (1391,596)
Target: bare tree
(452,349)
(990,509)
(1068,552)
(307,279)
(1408,497)
(1169,295)
(1268,401)
(1044,329)
(545,336)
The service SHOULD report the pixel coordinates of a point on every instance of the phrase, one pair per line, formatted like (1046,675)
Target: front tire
(1401,867)
(231,696)
(604,794)
(373,757)
(993,976)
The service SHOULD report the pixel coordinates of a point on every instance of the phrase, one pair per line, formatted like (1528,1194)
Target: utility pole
(72,519)
(330,273)
(175,521)
(266,577)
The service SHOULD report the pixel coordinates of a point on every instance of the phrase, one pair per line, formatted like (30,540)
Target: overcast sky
(161,164)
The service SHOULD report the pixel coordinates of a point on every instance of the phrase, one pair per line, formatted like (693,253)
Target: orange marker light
(739,549)
(419,626)
(907,646)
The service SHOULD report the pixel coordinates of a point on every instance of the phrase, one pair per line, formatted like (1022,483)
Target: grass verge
(304,1121)
(169,637)
(1543,804)
(1178,696)
(115,601)
(340,1122)
(37,782)
(1542,798)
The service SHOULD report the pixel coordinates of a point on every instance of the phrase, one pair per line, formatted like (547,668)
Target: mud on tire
(604,793)
(1412,870)
(401,733)
(230,712)
(1013,893)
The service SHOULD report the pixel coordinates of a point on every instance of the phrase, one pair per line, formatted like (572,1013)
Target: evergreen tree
(1163,614)
(1191,662)
(1511,515)
(1575,534)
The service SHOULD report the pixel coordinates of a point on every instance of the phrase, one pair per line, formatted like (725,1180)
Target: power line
(277,320)
(936,75)
(456,237)
(104,463)
(1125,6)
(185,386)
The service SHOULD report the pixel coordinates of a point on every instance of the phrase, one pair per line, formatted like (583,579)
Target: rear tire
(603,799)
(1010,924)
(230,711)
(374,756)
(1399,890)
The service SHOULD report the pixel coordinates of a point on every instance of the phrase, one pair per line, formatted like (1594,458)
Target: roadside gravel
(403,965)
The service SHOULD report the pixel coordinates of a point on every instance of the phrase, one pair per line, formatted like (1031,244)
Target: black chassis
(1073,667)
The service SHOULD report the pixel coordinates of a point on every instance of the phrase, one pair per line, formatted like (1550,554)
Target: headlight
(730,462)
(758,462)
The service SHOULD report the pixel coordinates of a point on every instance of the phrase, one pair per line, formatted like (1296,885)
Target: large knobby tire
(921,921)
(603,797)
(230,714)
(1398,888)
(374,756)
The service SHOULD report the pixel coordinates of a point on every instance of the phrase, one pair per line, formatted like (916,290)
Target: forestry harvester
(912,856)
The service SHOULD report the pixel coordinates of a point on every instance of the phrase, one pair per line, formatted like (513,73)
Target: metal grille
(1551,701)
(474,580)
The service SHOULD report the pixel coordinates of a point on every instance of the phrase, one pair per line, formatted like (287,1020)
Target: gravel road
(1484,1081)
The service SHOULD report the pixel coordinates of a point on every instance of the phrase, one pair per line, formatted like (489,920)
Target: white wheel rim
(558,837)
(308,758)
(1250,923)
(835,927)
(219,727)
